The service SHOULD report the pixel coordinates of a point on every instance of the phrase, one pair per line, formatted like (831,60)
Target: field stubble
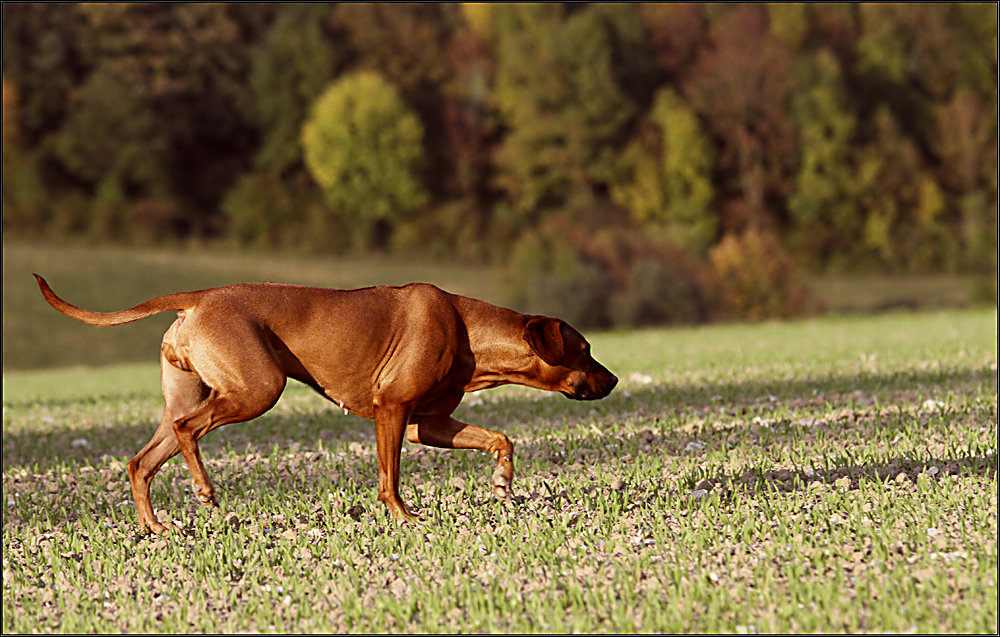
(830,475)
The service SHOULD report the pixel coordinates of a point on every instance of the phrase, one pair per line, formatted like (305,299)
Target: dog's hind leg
(236,379)
(243,395)
(444,431)
(183,392)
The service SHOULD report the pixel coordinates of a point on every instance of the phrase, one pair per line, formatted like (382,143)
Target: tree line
(680,160)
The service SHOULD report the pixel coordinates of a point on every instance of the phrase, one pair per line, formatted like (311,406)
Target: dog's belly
(337,376)
(354,384)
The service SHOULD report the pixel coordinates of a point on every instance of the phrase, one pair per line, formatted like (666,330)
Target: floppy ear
(544,336)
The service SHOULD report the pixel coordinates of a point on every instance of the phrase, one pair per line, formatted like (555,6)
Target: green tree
(23,193)
(274,203)
(966,138)
(676,32)
(789,22)
(672,192)
(161,108)
(363,146)
(825,217)
(42,58)
(976,25)
(687,165)
(901,202)
(562,106)
(481,18)
(467,129)
(289,71)
(930,68)
(967,146)
(113,129)
(42,67)
(461,135)
(403,42)
(916,49)
(406,44)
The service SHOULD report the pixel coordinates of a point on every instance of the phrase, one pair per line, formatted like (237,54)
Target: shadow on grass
(747,393)
(518,416)
(770,483)
(895,469)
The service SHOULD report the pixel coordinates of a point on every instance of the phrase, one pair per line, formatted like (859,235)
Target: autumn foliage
(731,146)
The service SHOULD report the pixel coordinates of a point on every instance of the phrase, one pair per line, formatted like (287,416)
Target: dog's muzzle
(589,392)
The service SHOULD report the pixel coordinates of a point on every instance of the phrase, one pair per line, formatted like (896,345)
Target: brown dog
(403,356)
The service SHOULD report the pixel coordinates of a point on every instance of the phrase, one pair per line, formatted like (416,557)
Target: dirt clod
(356,512)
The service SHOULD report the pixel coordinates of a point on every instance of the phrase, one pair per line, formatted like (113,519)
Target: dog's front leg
(444,431)
(390,425)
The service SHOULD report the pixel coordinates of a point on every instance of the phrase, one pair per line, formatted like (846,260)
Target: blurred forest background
(622,164)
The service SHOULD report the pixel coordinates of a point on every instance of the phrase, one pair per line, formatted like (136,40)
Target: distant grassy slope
(35,336)
(879,293)
(105,279)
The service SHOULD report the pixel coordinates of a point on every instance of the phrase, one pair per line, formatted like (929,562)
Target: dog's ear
(544,335)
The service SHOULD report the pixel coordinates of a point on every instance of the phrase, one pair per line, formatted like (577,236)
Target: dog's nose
(614,382)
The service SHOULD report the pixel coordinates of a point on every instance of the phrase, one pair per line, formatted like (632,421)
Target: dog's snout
(610,385)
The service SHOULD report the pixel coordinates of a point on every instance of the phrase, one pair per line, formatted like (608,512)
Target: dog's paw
(501,482)
(157,528)
(160,524)
(207,497)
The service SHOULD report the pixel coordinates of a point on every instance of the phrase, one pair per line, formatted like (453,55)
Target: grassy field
(832,475)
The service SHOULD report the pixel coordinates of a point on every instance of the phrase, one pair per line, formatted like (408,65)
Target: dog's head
(564,361)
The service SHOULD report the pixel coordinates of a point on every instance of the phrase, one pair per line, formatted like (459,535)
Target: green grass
(83,383)
(829,475)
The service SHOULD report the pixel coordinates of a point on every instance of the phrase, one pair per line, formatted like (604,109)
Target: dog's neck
(496,338)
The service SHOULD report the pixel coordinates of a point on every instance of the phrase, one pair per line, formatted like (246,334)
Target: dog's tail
(181,301)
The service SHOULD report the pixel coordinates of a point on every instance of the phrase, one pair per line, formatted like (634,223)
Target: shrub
(453,230)
(150,221)
(548,275)
(757,277)
(260,210)
(605,277)
(656,293)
